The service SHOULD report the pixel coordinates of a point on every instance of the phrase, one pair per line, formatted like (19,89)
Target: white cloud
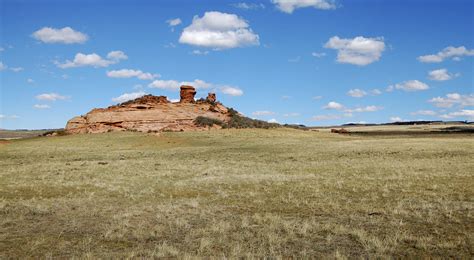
(317,97)
(318,54)
(463,113)
(93,60)
(128,96)
(17,69)
(128,73)
(2,66)
(410,85)
(249,6)
(219,31)
(396,119)
(65,35)
(291,114)
(364,109)
(165,84)
(273,120)
(288,6)
(232,91)
(441,75)
(329,117)
(199,52)
(334,105)
(51,97)
(358,93)
(263,113)
(424,113)
(173,84)
(375,92)
(173,22)
(452,99)
(1,49)
(358,51)
(31,81)
(9,117)
(117,55)
(198,84)
(41,106)
(449,52)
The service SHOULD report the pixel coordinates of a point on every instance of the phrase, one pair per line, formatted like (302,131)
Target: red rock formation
(149,114)
(187,94)
(211,97)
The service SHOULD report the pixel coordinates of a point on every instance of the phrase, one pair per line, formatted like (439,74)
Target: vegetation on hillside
(236,121)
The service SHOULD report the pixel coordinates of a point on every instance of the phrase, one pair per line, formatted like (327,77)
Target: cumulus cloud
(396,119)
(129,73)
(410,85)
(318,54)
(31,81)
(2,66)
(424,113)
(16,69)
(291,114)
(65,35)
(263,113)
(358,93)
(128,96)
(317,97)
(219,31)
(173,22)
(249,6)
(441,75)
(329,117)
(51,97)
(41,106)
(93,60)
(364,109)
(198,84)
(333,105)
(174,84)
(452,99)
(288,6)
(465,113)
(358,51)
(449,52)
(8,117)
(375,92)
(117,55)
(232,91)
(199,52)
(273,120)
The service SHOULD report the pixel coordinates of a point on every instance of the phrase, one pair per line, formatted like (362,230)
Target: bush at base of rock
(207,121)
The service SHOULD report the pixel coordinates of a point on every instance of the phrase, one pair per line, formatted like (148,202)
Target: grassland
(228,193)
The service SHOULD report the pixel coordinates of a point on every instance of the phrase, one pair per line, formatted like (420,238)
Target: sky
(312,62)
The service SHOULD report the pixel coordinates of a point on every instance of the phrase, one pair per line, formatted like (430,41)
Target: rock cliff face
(150,113)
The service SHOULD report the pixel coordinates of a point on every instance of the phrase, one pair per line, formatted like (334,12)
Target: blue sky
(314,62)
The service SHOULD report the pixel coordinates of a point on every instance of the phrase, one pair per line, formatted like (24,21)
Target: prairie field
(237,193)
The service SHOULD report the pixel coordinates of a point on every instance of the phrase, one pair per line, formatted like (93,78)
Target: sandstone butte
(151,114)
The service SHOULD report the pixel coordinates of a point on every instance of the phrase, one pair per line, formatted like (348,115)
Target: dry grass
(231,193)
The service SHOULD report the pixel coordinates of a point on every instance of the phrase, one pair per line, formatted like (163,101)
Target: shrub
(207,121)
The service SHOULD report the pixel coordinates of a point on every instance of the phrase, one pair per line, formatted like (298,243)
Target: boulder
(187,94)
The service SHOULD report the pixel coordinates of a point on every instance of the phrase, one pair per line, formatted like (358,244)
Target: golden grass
(237,193)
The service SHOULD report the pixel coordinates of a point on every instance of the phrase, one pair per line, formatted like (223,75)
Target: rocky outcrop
(187,94)
(211,97)
(150,114)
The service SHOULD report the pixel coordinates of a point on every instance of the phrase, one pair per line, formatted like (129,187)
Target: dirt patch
(4,142)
